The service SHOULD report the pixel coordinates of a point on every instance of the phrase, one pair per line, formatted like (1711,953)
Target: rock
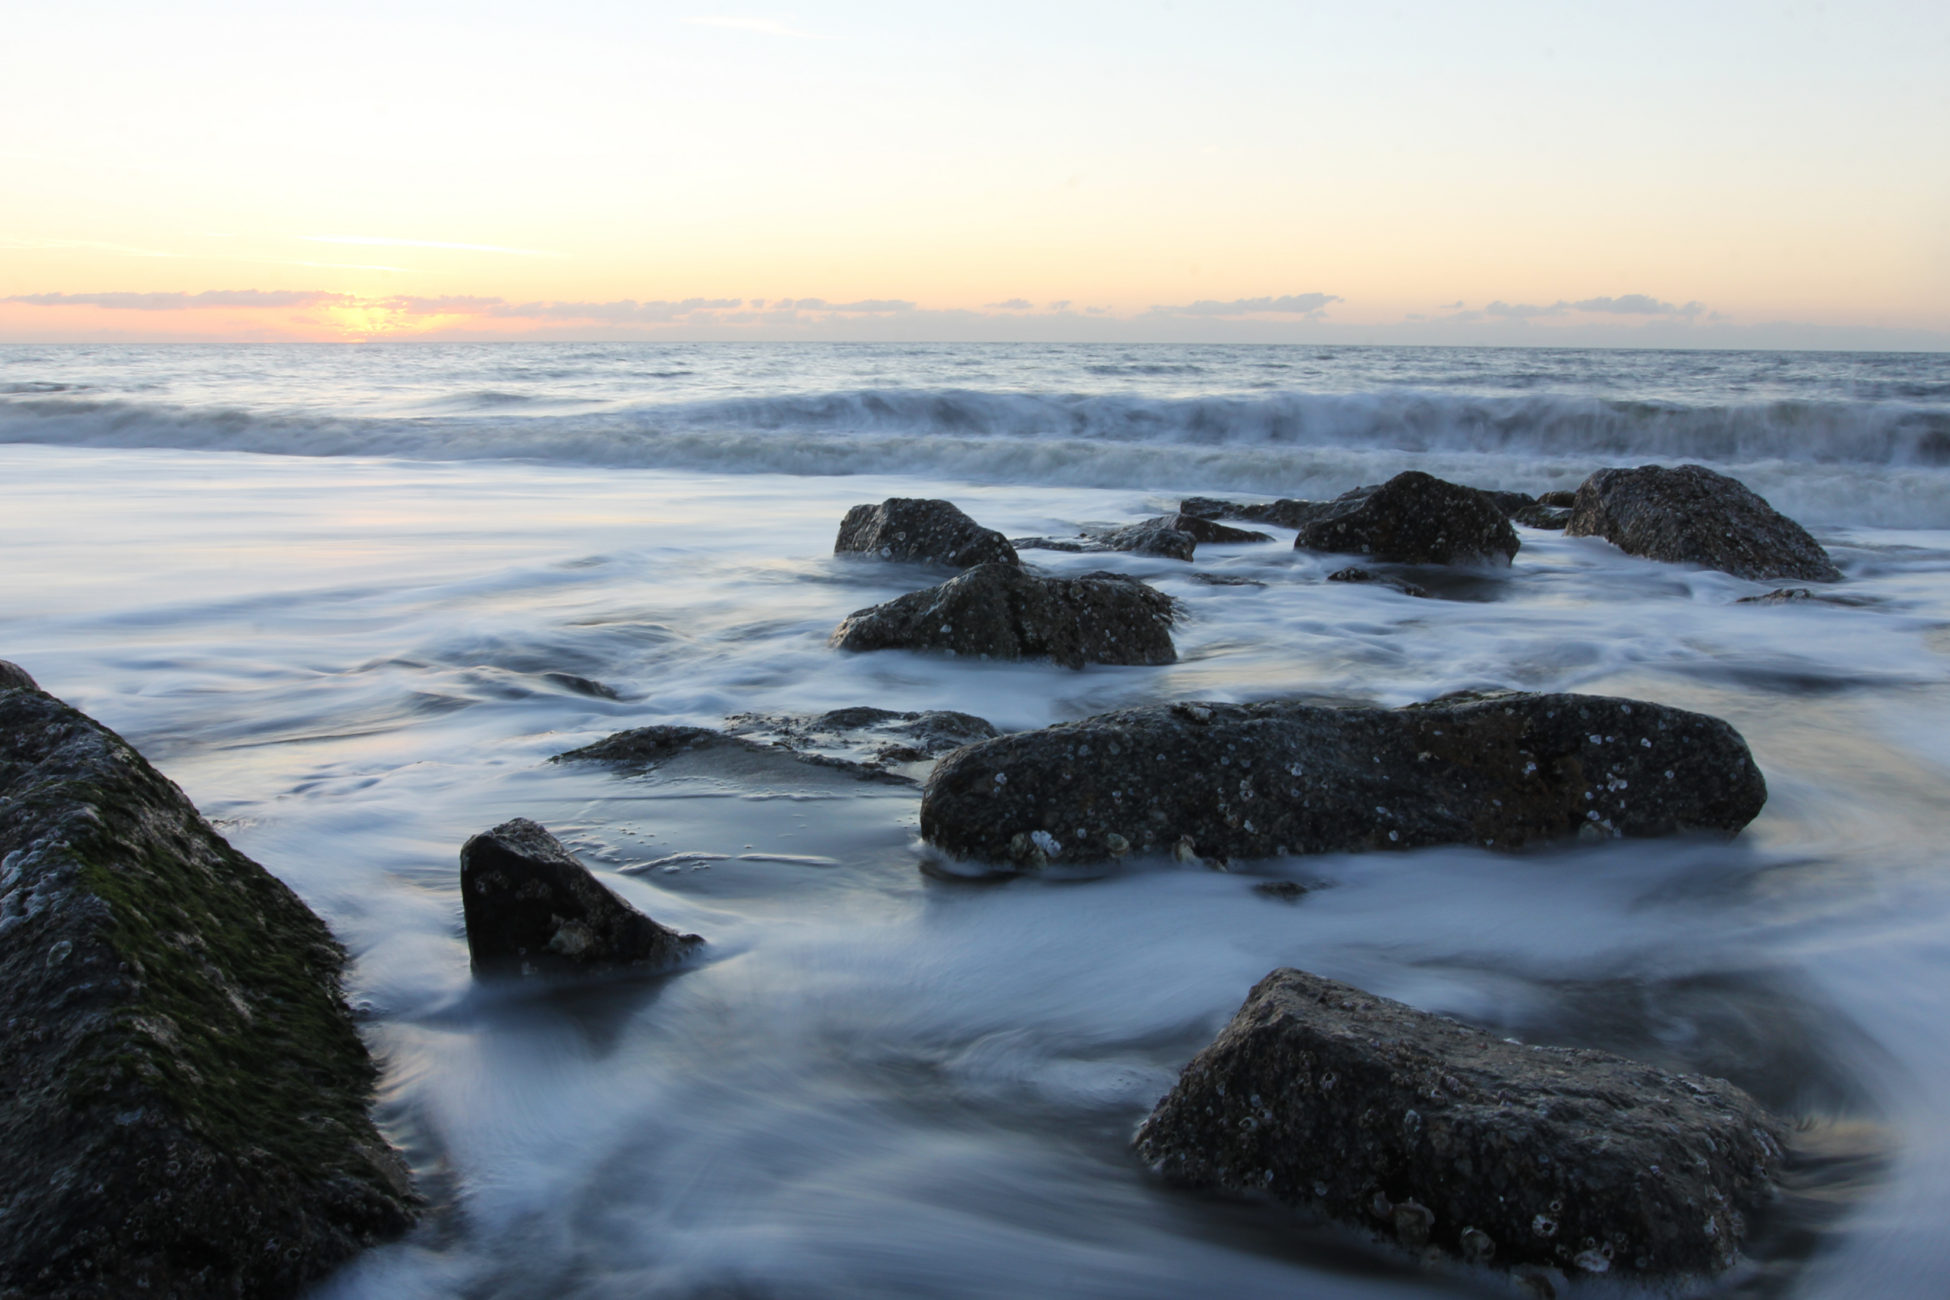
(532,909)
(183,1093)
(997,611)
(1356,573)
(1538,515)
(1278,778)
(921,531)
(862,742)
(1287,891)
(1510,503)
(1284,513)
(1371,1112)
(1692,515)
(1152,537)
(885,736)
(1172,536)
(1413,518)
(1558,499)
(1213,532)
(1226,580)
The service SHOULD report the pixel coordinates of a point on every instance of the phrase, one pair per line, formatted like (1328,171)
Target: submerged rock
(921,531)
(1692,515)
(183,1094)
(997,611)
(1355,573)
(1413,518)
(1539,515)
(1175,537)
(1277,778)
(863,742)
(1284,513)
(531,908)
(1371,1112)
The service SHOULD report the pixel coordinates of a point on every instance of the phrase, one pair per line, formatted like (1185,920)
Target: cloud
(625,310)
(763,26)
(1292,304)
(873,305)
(458,304)
(1457,305)
(1012,304)
(1061,304)
(1516,311)
(381,241)
(180,301)
(1635,304)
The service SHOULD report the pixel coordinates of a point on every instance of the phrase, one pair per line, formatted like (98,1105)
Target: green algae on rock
(183,1094)
(1367,1111)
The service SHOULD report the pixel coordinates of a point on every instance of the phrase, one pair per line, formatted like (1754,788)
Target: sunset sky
(1691,174)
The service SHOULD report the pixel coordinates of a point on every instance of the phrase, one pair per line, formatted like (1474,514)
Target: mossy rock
(183,1093)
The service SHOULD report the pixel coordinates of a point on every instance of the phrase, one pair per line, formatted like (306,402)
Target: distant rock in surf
(532,909)
(1539,515)
(1413,518)
(1692,515)
(1368,1111)
(185,1093)
(921,531)
(1272,779)
(868,743)
(997,611)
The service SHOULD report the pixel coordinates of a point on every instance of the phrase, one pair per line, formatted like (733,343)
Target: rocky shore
(186,1100)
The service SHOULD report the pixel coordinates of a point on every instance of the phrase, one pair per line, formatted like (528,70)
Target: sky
(1615,174)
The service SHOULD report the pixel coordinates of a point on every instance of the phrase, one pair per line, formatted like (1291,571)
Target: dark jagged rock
(1277,778)
(1371,1112)
(1692,515)
(1284,513)
(1413,518)
(997,611)
(921,531)
(532,909)
(183,1094)
(1558,499)
(1539,515)
(1226,580)
(1355,573)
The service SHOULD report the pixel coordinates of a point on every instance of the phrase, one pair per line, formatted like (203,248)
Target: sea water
(353,599)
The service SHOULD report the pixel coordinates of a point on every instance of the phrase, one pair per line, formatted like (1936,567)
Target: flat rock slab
(1414,518)
(533,909)
(864,742)
(1692,515)
(183,1094)
(997,611)
(922,531)
(1373,1113)
(1278,778)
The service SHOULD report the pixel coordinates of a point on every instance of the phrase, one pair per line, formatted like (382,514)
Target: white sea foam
(881,1083)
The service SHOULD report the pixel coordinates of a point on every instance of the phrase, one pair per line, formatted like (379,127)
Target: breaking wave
(1835,460)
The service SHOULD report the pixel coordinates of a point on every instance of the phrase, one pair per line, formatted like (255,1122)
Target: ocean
(353,598)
